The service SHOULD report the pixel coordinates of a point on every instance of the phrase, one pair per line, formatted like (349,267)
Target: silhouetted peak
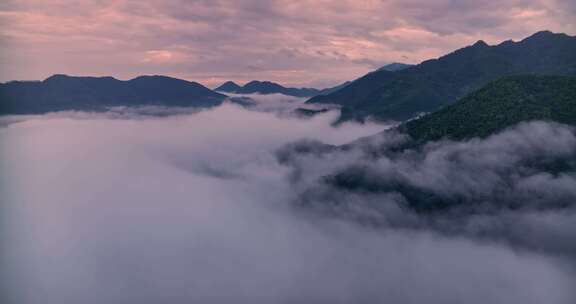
(57,77)
(64,78)
(395,66)
(162,80)
(507,42)
(267,87)
(228,86)
(480,44)
(544,35)
(258,82)
(155,77)
(261,84)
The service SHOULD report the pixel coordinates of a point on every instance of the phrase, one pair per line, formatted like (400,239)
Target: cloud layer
(129,208)
(517,187)
(292,42)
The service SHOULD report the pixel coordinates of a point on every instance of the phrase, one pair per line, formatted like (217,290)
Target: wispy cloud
(194,208)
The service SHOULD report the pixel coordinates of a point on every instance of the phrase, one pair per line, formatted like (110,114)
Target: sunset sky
(298,43)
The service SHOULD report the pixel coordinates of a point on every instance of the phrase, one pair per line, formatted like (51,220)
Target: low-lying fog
(194,208)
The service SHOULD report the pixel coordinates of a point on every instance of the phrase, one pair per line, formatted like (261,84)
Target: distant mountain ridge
(62,92)
(268,87)
(432,84)
(228,86)
(497,109)
(395,66)
(333,89)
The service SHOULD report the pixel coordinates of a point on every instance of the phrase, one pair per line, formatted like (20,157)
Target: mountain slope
(434,83)
(462,177)
(498,105)
(62,92)
(268,87)
(395,66)
(334,89)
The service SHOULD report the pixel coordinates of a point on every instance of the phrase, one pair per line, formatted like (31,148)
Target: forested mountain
(428,86)
(524,125)
(498,105)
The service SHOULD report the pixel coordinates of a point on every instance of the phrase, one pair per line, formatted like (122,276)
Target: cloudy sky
(307,42)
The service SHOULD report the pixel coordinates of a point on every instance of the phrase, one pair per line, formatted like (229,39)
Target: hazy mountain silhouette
(265,87)
(395,66)
(62,92)
(333,89)
(228,86)
(268,87)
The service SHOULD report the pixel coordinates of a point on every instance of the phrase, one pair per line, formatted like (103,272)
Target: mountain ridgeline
(394,92)
(62,92)
(395,66)
(499,105)
(432,84)
(512,146)
(267,87)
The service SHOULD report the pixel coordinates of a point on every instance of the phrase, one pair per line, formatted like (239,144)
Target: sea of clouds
(218,206)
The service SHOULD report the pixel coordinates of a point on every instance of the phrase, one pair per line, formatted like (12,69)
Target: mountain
(62,92)
(428,86)
(499,105)
(458,178)
(265,87)
(228,86)
(268,87)
(334,89)
(395,66)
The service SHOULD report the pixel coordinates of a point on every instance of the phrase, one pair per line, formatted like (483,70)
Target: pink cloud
(319,42)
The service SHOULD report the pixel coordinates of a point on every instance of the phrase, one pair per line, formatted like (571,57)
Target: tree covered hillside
(498,105)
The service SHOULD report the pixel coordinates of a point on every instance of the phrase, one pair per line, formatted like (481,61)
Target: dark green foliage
(61,92)
(498,105)
(426,87)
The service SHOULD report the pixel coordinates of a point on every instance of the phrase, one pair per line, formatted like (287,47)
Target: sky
(298,43)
